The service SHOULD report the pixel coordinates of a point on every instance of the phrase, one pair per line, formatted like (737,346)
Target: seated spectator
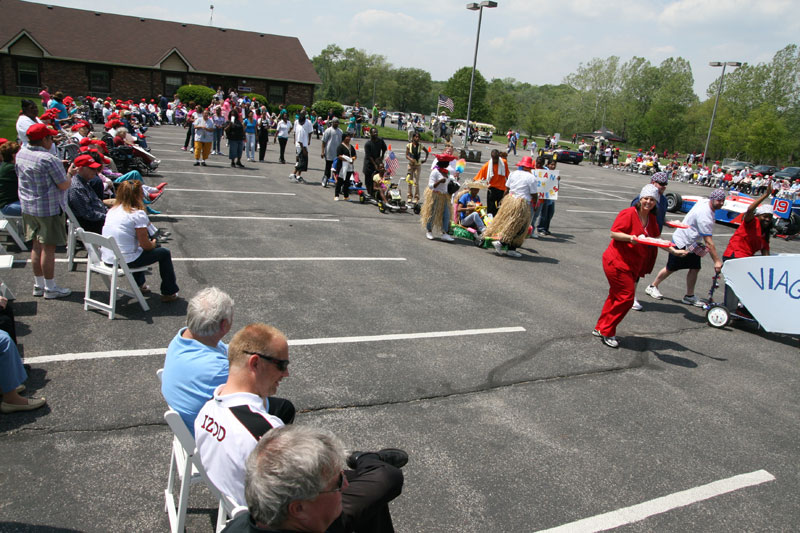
(87,206)
(258,357)
(128,224)
(12,377)
(294,482)
(197,359)
(9,196)
(123,138)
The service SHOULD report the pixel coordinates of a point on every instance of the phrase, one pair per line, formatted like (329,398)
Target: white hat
(764,210)
(650,191)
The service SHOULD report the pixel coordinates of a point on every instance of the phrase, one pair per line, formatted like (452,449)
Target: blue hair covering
(717,194)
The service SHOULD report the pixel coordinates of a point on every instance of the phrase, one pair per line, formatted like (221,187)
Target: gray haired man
(296,481)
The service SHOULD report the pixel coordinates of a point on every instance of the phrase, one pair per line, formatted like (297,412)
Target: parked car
(565,155)
(736,166)
(484,136)
(766,170)
(788,173)
(394,117)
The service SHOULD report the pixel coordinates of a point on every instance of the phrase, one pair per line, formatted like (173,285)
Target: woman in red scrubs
(625,261)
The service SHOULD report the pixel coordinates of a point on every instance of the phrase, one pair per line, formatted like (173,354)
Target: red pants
(621,292)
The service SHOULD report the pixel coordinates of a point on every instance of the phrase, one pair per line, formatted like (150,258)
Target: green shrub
(293,110)
(261,99)
(199,94)
(322,106)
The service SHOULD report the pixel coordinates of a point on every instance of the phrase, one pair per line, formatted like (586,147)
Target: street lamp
(722,64)
(475,6)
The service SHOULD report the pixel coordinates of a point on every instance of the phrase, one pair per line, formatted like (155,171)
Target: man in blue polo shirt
(197,359)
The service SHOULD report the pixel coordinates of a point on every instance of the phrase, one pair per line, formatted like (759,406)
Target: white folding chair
(11,225)
(6,262)
(111,274)
(186,462)
(72,237)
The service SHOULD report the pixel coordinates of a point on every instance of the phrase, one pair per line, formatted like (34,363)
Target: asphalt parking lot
(482,367)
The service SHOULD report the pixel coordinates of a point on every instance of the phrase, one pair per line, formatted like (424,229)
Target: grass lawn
(9,111)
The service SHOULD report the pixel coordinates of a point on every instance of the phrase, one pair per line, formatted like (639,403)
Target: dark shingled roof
(148,41)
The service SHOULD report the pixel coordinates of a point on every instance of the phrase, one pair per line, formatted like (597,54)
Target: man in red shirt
(752,235)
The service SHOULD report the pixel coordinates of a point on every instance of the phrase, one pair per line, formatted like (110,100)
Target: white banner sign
(770,289)
(548,183)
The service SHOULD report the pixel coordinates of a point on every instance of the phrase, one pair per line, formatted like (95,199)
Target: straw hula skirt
(433,210)
(510,225)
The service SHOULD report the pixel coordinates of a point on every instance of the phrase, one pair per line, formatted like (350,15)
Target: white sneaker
(38,291)
(611,342)
(335,198)
(513,253)
(535,234)
(636,305)
(56,292)
(692,300)
(293,177)
(446,237)
(498,247)
(654,292)
(429,236)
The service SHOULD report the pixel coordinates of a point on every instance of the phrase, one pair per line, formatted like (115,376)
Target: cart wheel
(718,317)
(417,209)
(361,198)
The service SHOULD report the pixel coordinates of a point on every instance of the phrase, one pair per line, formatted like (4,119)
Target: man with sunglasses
(231,424)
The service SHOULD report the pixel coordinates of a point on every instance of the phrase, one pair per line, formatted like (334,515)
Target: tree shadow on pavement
(37,379)
(19,527)
(660,348)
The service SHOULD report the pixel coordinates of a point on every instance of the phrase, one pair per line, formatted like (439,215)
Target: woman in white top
(127,223)
(203,137)
(282,130)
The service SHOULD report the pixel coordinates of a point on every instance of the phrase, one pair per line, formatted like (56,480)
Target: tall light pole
(475,6)
(722,64)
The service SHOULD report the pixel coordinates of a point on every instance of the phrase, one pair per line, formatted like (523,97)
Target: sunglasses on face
(339,484)
(280,364)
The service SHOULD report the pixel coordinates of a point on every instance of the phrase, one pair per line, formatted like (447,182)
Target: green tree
(457,88)
(411,89)
(767,135)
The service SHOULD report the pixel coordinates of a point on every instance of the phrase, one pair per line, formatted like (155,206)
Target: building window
(28,74)
(99,80)
(171,85)
(276,94)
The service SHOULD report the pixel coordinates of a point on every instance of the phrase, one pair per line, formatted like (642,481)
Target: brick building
(132,57)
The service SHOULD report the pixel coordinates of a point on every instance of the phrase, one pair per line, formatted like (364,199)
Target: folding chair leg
(113,294)
(71,248)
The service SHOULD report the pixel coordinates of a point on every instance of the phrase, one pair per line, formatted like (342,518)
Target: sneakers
(38,291)
(167,298)
(293,178)
(393,456)
(56,292)
(300,179)
(636,305)
(335,198)
(513,253)
(33,403)
(654,292)
(447,238)
(428,235)
(596,333)
(498,247)
(611,342)
(535,234)
(204,164)
(324,182)
(692,300)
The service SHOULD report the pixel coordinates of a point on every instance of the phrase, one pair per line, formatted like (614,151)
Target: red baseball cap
(38,132)
(86,160)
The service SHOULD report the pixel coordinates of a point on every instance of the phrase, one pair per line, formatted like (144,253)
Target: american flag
(446,102)
(390,164)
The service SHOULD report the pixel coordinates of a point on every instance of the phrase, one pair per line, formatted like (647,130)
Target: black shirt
(373,150)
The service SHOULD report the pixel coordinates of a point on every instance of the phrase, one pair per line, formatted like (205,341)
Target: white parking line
(569,185)
(639,512)
(590,211)
(560,196)
(245,259)
(84,356)
(289,219)
(233,192)
(198,173)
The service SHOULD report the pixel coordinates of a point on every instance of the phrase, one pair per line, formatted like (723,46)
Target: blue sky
(535,41)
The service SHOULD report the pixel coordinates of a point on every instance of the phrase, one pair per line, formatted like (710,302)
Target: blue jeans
(251,145)
(163,257)
(215,146)
(548,210)
(445,220)
(12,373)
(235,150)
(12,210)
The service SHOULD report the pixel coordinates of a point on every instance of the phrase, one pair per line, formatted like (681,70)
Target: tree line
(647,104)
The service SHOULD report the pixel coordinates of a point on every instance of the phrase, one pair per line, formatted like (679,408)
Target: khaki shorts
(51,231)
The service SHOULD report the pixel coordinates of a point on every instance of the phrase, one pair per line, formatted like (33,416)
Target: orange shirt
(498,180)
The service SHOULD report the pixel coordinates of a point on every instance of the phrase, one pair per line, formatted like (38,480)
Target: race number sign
(769,286)
(548,183)
(782,207)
